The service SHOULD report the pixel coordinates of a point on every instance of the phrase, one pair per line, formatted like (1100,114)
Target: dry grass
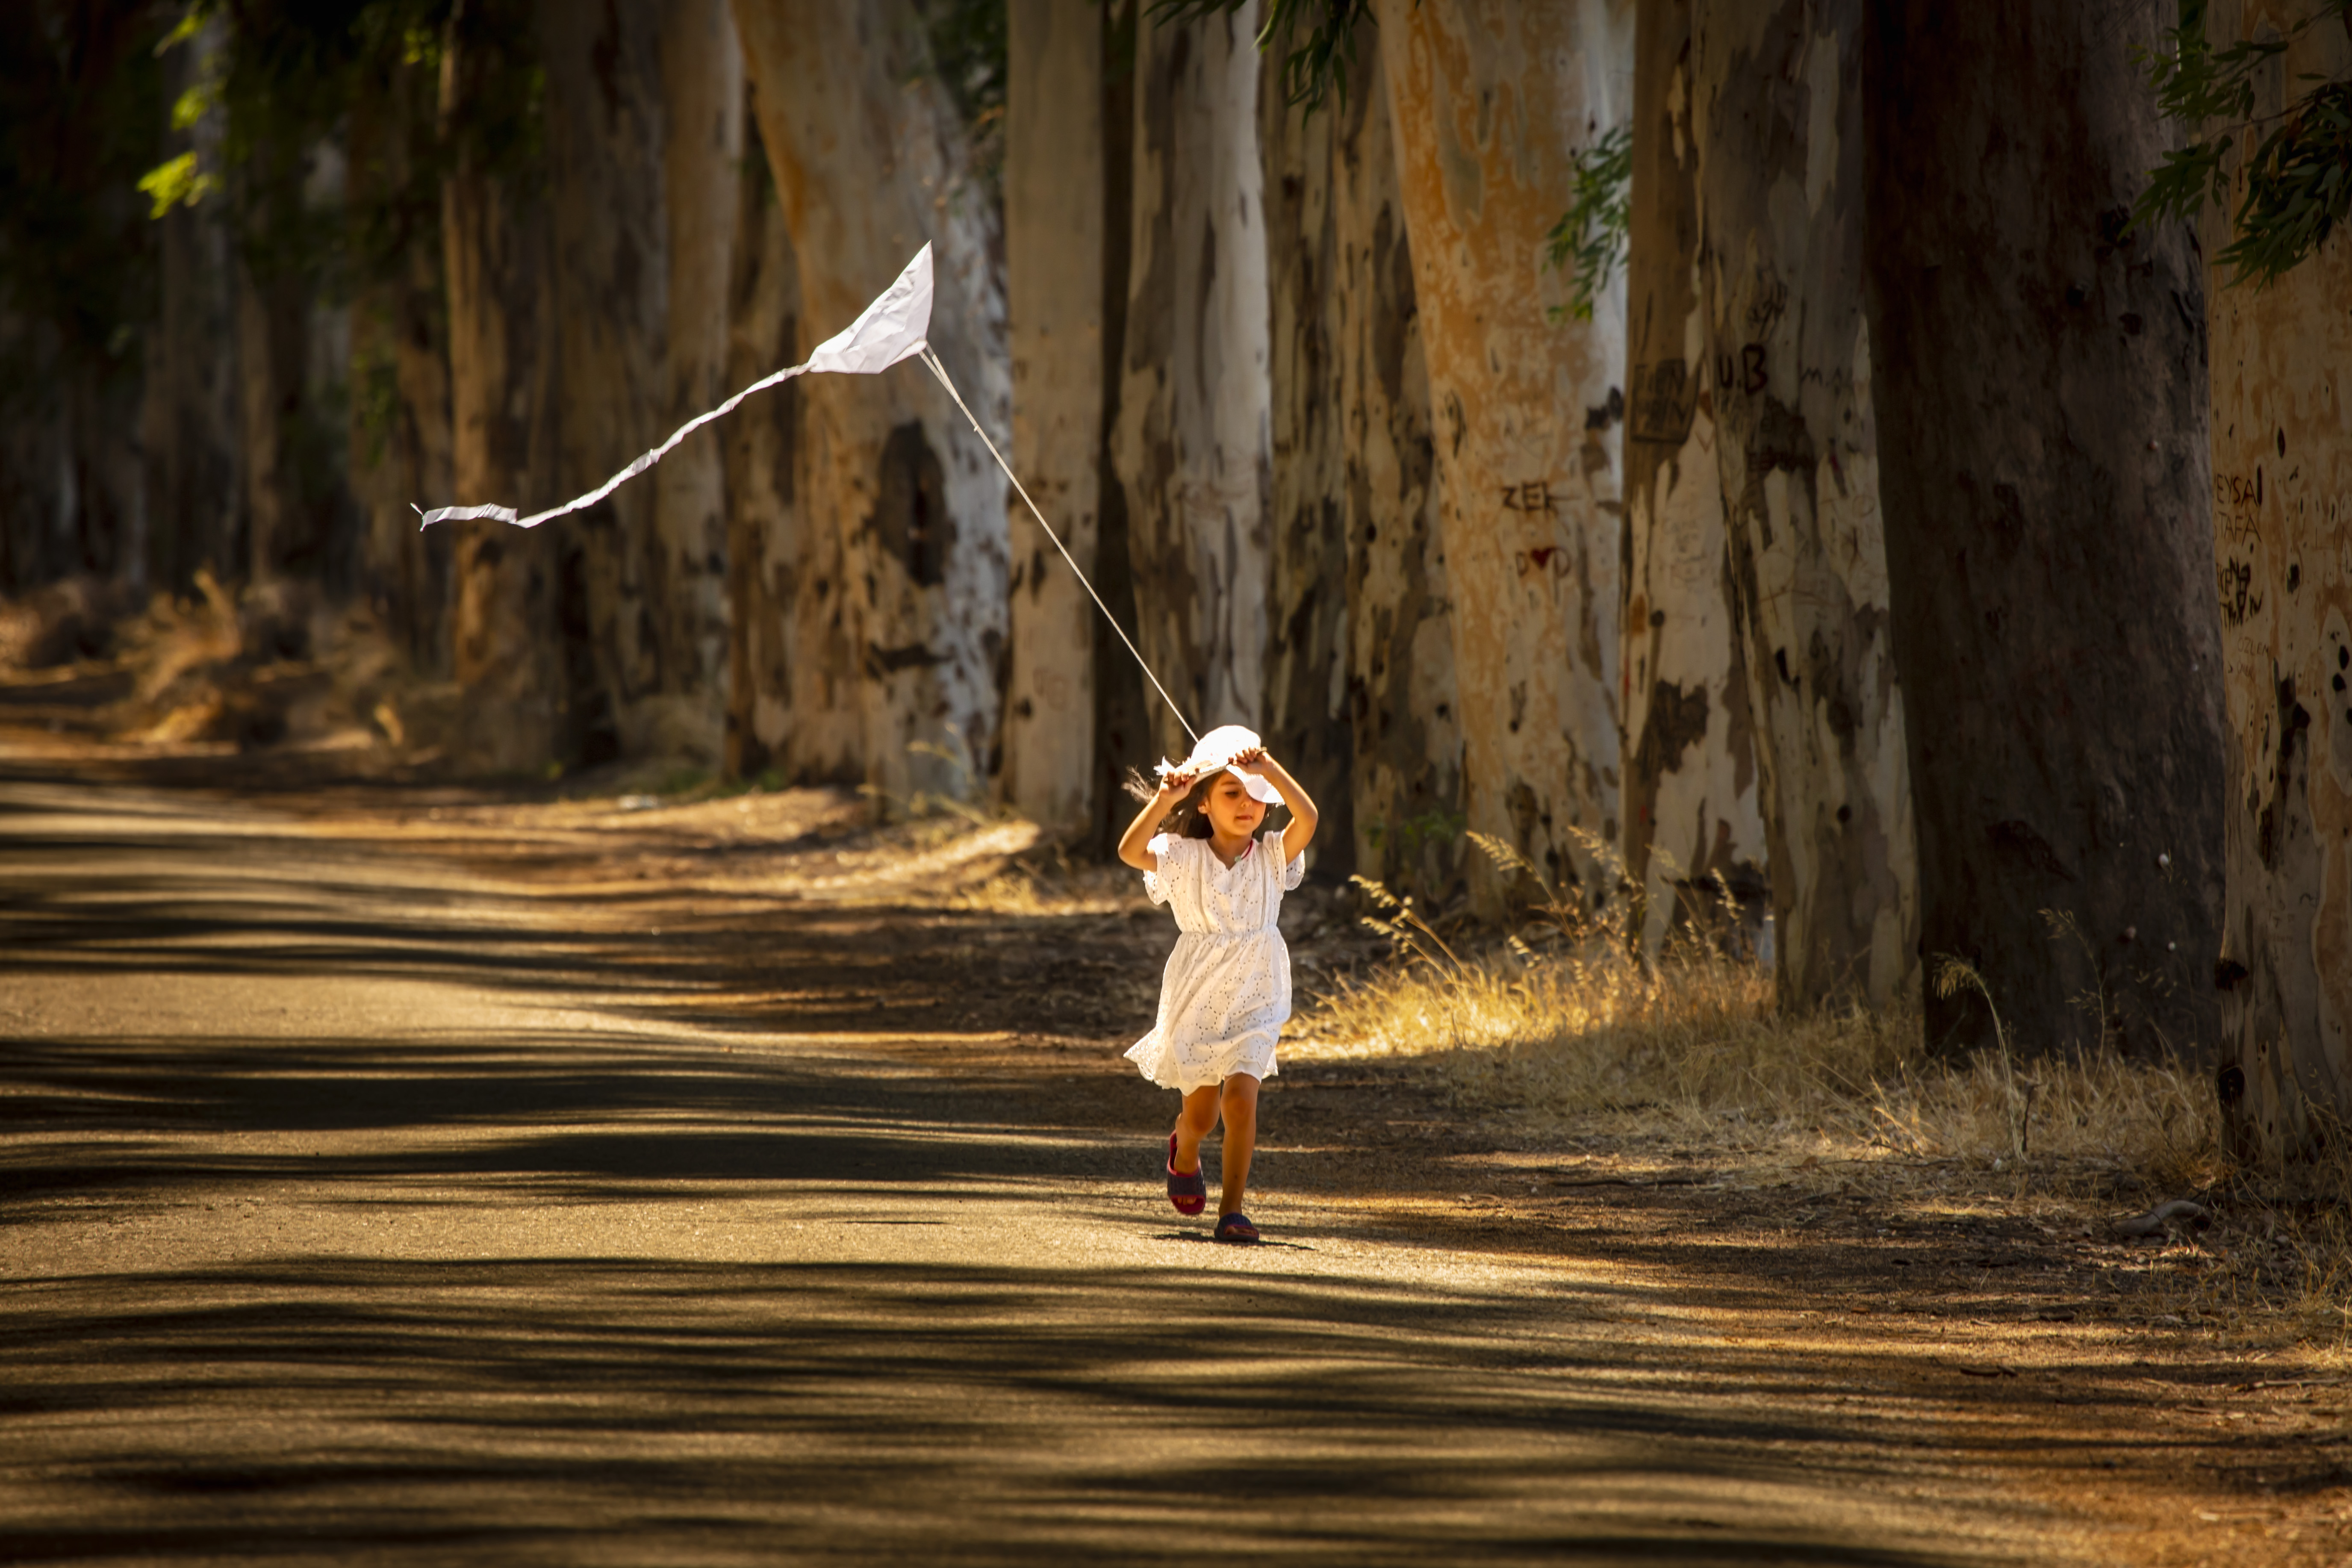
(1561,1032)
(1693,1049)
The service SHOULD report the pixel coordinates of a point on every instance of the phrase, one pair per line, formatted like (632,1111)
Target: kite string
(941,371)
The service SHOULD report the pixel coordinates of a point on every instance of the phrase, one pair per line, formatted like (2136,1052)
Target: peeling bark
(1403,708)
(2040,393)
(1306,650)
(766,532)
(2282,443)
(1054,270)
(1787,372)
(1490,98)
(1693,837)
(901,604)
(504,647)
(1193,403)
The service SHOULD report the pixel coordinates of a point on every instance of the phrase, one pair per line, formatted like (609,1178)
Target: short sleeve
(1155,885)
(1293,873)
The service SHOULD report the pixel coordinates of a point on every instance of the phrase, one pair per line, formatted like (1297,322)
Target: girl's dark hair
(1188,820)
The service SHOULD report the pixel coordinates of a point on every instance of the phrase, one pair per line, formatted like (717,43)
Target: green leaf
(1590,238)
(176,181)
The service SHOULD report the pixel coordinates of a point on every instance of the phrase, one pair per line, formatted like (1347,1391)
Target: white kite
(895,327)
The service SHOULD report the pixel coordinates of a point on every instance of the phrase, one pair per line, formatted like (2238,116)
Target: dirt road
(394,1175)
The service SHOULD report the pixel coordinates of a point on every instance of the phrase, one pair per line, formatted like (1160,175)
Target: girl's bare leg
(1198,1115)
(1238,1101)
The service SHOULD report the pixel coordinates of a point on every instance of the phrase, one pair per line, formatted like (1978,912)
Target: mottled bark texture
(399,437)
(1779,117)
(1491,100)
(702,158)
(1053,300)
(900,609)
(1693,838)
(495,236)
(1306,649)
(2281,441)
(766,532)
(1193,402)
(2040,393)
(1405,770)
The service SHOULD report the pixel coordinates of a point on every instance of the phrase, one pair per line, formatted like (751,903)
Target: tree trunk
(766,530)
(2040,389)
(1787,371)
(189,424)
(504,649)
(399,437)
(1054,295)
(904,598)
(606,135)
(1193,400)
(1491,97)
(1307,648)
(1123,717)
(271,314)
(702,87)
(1406,767)
(2282,474)
(293,356)
(1692,829)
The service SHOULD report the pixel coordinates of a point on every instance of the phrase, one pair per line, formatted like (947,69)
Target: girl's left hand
(1252,761)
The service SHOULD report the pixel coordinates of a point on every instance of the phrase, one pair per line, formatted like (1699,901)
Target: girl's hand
(1252,761)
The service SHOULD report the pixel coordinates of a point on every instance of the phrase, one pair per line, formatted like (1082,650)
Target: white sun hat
(1216,750)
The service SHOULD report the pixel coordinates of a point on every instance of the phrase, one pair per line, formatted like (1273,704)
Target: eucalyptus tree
(1490,100)
(1778,106)
(1053,227)
(1691,830)
(1192,440)
(2039,390)
(899,611)
(2262,87)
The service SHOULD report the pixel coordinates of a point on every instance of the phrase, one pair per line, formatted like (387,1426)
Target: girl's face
(1232,810)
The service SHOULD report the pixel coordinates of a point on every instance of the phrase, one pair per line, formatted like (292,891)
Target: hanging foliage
(2298,178)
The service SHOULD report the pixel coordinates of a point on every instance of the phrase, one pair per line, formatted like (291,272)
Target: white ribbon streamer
(893,327)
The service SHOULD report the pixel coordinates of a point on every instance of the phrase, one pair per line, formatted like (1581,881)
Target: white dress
(1226,994)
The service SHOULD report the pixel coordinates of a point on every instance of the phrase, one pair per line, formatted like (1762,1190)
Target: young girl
(1227,991)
